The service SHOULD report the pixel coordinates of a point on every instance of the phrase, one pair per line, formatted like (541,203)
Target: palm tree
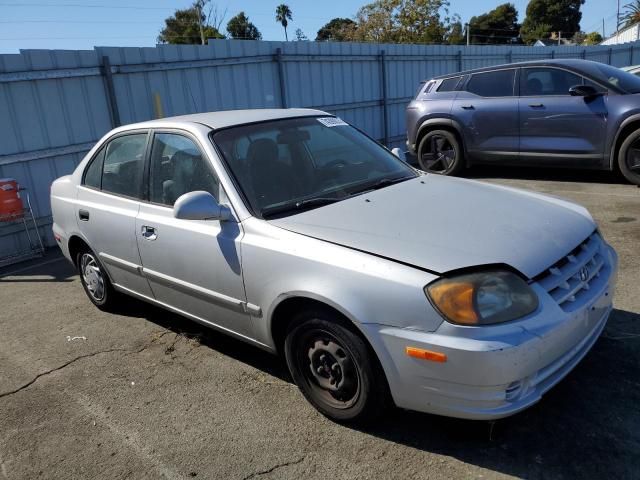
(283,14)
(632,14)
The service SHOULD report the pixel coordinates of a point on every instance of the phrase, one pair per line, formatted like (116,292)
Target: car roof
(570,63)
(230,118)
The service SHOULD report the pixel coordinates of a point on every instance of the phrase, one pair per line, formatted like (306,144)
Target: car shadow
(544,174)
(51,267)
(587,426)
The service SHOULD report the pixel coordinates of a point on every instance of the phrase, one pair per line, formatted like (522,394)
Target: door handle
(467,107)
(83,215)
(536,105)
(149,233)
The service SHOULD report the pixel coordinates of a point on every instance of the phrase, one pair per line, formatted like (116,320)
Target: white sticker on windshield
(332,121)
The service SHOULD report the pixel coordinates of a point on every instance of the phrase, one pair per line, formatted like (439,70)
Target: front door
(487,110)
(555,126)
(192,266)
(107,205)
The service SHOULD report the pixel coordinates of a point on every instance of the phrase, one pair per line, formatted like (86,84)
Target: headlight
(482,298)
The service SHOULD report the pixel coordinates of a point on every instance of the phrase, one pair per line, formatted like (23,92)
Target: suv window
(124,164)
(492,84)
(178,167)
(449,84)
(547,81)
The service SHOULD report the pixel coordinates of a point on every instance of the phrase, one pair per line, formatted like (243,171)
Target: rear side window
(492,84)
(124,164)
(449,84)
(93,173)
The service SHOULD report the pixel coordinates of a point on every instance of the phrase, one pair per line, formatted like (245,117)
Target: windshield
(285,166)
(612,76)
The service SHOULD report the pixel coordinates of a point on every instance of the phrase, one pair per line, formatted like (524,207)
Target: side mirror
(200,206)
(583,91)
(399,153)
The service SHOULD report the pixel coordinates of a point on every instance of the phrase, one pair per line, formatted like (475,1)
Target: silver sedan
(294,231)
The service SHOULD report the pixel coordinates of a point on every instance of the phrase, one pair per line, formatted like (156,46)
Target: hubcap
(330,370)
(438,155)
(633,158)
(92,276)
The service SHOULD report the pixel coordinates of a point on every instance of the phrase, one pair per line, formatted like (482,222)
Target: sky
(83,24)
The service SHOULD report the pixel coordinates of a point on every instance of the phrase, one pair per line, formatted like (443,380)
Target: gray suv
(570,113)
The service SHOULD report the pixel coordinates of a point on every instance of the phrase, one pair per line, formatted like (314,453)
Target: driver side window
(178,167)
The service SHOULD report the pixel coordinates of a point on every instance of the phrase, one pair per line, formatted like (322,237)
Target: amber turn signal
(426,354)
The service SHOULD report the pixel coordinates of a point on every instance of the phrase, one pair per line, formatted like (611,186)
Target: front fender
(279,264)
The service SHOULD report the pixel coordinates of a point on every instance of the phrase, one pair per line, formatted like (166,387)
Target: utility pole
(198,6)
(559,37)
(618,20)
(468,34)
(603,35)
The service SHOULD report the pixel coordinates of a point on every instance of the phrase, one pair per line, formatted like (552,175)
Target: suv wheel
(334,369)
(439,152)
(95,281)
(629,158)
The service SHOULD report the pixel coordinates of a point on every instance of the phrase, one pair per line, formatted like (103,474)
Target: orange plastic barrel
(10,202)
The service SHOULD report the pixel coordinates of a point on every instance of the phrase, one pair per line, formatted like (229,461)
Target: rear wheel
(439,152)
(629,158)
(334,369)
(95,281)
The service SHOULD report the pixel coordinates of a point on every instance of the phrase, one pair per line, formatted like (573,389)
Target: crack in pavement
(275,467)
(75,359)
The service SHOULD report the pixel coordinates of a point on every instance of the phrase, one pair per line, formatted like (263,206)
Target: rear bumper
(491,372)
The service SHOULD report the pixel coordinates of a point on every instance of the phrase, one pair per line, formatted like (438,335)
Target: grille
(568,281)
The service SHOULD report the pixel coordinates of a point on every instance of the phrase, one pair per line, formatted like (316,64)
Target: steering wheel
(327,183)
(337,163)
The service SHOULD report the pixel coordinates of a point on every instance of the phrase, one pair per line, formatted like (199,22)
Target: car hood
(441,224)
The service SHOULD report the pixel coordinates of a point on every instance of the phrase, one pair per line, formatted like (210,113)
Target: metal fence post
(459,60)
(583,54)
(553,54)
(111,91)
(383,87)
(281,77)
(509,56)
(609,58)
(631,55)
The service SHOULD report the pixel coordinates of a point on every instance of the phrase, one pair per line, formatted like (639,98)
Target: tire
(629,158)
(334,368)
(440,152)
(95,281)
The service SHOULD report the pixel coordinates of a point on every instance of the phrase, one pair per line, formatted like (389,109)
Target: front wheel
(439,152)
(334,369)
(629,158)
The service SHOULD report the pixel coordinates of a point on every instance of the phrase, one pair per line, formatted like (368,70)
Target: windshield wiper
(383,182)
(299,205)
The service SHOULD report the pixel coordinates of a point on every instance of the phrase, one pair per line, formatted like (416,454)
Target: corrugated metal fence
(55,104)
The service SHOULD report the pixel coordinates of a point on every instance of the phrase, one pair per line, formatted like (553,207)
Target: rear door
(107,205)
(487,110)
(556,127)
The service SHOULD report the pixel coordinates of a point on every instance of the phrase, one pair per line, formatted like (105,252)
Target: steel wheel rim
(92,276)
(440,156)
(329,369)
(633,157)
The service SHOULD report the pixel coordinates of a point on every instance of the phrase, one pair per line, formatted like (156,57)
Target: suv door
(487,110)
(193,266)
(107,205)
(558,127)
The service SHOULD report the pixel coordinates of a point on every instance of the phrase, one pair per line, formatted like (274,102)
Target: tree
(192,25)
(545,17)
(403,21)
(581,38)
(499,25)
(455,33)
(283,15)
(631,15)
(300,36)
(240,27)
(337,30)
